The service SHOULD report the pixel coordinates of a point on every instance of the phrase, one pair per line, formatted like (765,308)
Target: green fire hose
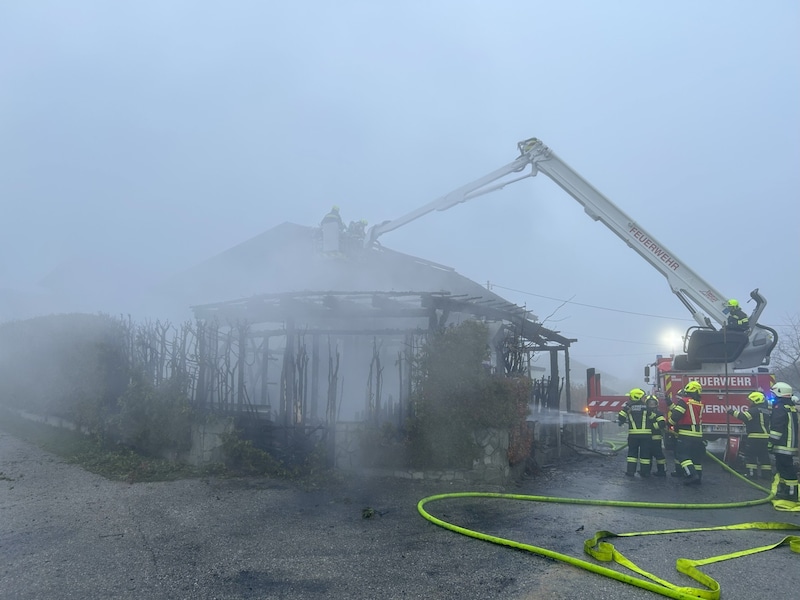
(603,551)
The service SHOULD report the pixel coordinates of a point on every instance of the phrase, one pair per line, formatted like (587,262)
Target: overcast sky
(155,134)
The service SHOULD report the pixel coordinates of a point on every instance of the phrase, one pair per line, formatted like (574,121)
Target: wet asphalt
(66,533)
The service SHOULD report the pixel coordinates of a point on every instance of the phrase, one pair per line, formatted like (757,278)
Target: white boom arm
(479,187)
(684,282)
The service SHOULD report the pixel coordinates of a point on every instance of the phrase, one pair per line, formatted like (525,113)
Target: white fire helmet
(782,390)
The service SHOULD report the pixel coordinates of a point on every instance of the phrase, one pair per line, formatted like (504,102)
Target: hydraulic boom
(705,343)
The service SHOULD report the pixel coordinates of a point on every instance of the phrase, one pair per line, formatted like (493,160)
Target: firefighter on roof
(756,423)
(659,426)
(640,433)
(686,415)
(783,440)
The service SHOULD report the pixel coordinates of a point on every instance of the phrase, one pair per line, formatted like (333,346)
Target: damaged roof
(282,274)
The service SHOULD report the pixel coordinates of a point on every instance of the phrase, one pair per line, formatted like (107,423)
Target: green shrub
(155,421)
(455,396)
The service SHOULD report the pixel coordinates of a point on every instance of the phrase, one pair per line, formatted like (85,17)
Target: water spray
(564,418)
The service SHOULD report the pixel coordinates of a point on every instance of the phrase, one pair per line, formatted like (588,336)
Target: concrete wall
(207,442)
(491,467)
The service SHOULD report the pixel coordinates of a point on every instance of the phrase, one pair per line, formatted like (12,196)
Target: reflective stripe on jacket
(783,427)
(659,424)
(687,416)
(636,415)
(756,422)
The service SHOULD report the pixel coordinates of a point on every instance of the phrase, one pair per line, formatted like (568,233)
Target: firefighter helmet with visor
(636,394)
(693,387)
(782,390)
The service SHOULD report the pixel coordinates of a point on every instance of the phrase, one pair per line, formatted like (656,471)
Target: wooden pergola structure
(290,329)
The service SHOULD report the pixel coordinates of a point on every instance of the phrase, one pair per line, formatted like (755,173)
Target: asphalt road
(66,533)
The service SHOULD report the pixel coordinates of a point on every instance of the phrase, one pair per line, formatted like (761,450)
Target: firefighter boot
(792,493)
(783,492)
(660,471)
(631,469)
(692,478)
(766,473)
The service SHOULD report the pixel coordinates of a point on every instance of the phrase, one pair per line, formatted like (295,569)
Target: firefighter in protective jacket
(686,415)
(756,423)
(640,433)
(659,426)
(783,430)
(737,318)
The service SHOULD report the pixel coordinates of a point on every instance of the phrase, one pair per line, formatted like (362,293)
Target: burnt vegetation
(128,395)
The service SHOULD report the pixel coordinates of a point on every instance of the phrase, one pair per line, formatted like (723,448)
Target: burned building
(324,331)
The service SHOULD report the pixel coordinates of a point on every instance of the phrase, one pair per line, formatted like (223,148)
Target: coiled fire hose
(604,551)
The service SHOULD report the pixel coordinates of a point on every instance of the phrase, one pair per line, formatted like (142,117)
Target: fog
(140,140)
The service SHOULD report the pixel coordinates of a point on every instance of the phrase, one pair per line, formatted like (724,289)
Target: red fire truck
(721,391)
